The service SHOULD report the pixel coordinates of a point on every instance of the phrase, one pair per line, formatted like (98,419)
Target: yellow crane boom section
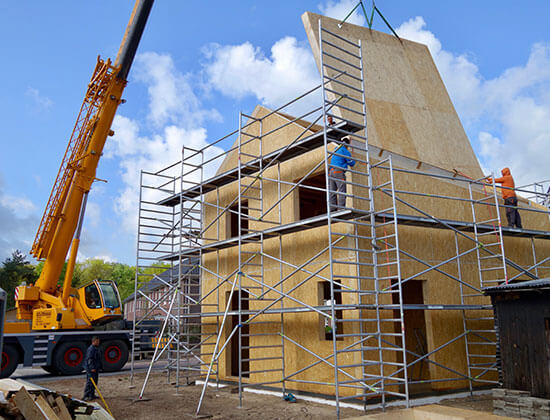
(77,172)
(72,161)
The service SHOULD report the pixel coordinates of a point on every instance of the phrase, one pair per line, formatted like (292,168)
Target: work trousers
(89,389)
(337,187)
(512,213)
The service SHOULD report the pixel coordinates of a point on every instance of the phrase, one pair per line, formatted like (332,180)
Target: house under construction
(375,301)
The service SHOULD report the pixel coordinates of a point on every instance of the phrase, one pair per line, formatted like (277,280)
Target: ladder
(488,235)
(364,364)
(259,339)
(155,286)
(481,341)
(388,351)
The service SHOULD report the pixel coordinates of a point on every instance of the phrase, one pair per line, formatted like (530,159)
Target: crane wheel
(10,360)
(68,358)
(114,354)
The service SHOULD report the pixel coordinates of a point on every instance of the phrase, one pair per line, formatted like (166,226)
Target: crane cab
(93,304)
(100,301)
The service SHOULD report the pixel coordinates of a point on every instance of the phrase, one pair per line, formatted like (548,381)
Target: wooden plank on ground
(63,411)
(26,405)
(50,398)
(43,404)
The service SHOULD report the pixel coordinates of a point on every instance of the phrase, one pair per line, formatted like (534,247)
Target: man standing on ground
(92,364)
(510,199)
(338,164)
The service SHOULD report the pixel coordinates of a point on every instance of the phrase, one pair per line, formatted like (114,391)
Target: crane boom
(79,164)
(75,149)
(54,325)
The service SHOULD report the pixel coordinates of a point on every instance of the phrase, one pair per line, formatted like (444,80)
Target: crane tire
(10,360)
(114,355)
(69,358)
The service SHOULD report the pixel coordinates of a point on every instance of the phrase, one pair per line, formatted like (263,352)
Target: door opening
(415,334)
(233,347)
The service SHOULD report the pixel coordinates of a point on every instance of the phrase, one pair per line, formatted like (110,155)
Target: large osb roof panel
(408,108)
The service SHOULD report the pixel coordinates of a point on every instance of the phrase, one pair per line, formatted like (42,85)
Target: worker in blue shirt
(339,162)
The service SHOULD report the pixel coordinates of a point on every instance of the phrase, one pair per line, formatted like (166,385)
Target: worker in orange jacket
(510,199)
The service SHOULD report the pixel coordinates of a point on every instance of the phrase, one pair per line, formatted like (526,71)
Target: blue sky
(201,62)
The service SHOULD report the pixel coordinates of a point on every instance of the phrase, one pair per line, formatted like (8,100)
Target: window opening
(234,219)
(326,323)
(313,202)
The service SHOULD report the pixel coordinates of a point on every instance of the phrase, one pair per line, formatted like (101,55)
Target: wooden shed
(522,316)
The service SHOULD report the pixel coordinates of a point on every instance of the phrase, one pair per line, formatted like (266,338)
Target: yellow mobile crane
(55,324)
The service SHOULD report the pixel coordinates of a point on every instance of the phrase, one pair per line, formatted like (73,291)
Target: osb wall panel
(408,108)
(430,245)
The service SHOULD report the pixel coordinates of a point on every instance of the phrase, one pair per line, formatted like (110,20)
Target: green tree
(76,274)
(96,269)
(124,276)
(15,270)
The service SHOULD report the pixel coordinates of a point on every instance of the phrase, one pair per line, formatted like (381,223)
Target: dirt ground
(163,403)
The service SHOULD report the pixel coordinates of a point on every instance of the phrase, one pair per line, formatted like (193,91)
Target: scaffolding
(219,221)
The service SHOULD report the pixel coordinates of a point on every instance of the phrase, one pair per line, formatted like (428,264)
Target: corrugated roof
(517,286)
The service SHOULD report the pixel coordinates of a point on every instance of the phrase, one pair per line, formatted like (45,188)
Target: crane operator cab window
(93,300)
(110,294)
(102,291)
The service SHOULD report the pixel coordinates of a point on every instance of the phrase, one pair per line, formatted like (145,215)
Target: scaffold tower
(371,293)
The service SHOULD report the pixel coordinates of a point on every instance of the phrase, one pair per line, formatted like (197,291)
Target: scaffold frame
(364,312)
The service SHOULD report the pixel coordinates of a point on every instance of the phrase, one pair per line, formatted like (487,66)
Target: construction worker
(338,164)
(510,199)
(92,364)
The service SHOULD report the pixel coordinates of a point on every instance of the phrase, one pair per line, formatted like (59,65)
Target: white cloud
(178,118)
(489,144)
(104,258)
(171,97)
(39,101)
(340,9)
(241,70)
(20,206)
(508,116)
(83,258)
(93,213)
(154,153)
(18,224)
